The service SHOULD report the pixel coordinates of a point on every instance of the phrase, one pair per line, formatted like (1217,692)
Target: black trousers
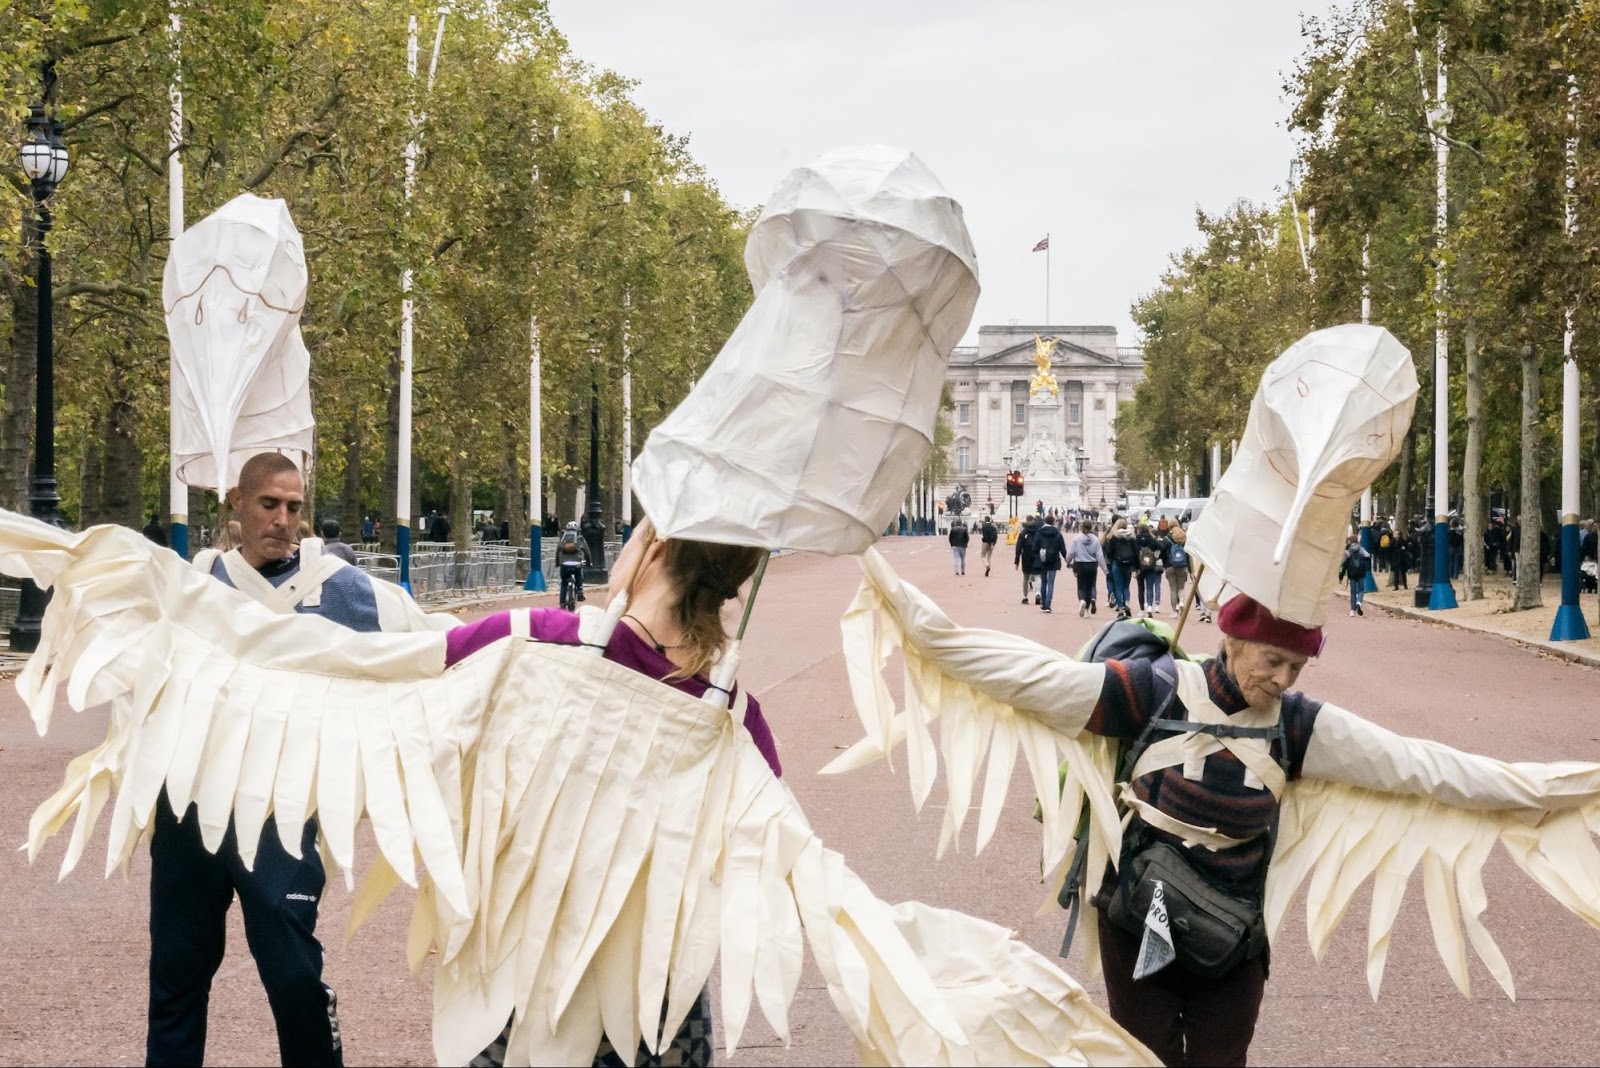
(1185,1020)
(1088,580)
(191,890)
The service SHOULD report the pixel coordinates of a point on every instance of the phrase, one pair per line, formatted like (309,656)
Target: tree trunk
(1473,511)
(389,492)
(1594,461)
(1528,593)
(513,500)
(92,482)
(350,512)
(120,491)
(1408,460)
(16,428)
(461,501)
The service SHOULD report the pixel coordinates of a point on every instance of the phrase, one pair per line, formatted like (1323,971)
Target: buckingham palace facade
(989,418)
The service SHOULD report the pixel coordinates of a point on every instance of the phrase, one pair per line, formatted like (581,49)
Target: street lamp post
(44,160)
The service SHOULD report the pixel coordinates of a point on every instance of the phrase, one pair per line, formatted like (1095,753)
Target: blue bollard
(1569,626)
(178,539)
(535,583)
(1442,596)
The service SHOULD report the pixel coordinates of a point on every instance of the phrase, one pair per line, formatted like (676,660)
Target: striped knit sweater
(1220,798)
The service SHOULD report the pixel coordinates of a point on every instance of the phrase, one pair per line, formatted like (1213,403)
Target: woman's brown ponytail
(705,576)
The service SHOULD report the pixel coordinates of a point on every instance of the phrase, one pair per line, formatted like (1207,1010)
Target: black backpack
(1124,550)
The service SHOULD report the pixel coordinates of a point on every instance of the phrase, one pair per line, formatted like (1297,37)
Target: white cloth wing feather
(1374,804)
(989,691)
(216,701)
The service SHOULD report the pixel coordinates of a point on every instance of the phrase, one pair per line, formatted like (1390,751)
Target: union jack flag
(1044,243)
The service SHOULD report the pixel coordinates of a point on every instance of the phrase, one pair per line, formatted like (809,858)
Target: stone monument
(1048,469)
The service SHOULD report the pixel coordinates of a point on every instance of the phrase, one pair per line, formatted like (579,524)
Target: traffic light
(1014,484)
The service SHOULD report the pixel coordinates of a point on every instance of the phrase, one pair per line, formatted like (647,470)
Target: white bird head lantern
(1328,417)
(234,287)
(809,426)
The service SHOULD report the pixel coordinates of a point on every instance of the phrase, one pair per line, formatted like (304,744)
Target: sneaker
(1038,600)
(1083,607)
(986,571)
(1174,613)
(1024,600)
(1359,612)
(1092,608)
(1352,613)
(1046,608)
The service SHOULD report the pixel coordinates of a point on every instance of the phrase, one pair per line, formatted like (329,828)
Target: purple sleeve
(546,625)
(761,734)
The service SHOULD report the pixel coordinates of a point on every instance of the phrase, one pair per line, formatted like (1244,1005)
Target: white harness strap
(1190,751)
(303,587)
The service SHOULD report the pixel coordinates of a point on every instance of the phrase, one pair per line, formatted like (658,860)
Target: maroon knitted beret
(1244,617)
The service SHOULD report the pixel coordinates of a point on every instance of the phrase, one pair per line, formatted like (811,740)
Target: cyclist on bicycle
(572,556)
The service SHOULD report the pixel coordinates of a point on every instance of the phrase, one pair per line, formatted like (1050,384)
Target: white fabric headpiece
(1328,418)
(807,429)
(233,291)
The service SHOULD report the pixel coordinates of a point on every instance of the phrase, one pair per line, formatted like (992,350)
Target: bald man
(191,889)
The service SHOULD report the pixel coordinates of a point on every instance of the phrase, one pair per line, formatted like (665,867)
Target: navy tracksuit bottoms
(191,890)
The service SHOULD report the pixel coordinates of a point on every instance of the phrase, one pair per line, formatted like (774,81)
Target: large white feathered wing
(1376,805)
(992,693)
(214,698)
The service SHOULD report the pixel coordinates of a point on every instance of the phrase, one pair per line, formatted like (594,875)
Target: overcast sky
(1100,122)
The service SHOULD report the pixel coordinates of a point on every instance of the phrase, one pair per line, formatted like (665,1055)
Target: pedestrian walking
(1026,556)
(989,534)
(333,545)
(191,887)
(1355,566)
(1178,567)
(1051,546)
(1122,560)
(1086,558)
(1151,564)
(1400,554)
(155,531)
(959,539)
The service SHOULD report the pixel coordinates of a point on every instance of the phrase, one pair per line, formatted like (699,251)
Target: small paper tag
(1155,948)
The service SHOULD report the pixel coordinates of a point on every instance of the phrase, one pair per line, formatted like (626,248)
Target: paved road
(72,954)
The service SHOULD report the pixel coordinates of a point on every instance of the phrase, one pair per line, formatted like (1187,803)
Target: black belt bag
(1213,931)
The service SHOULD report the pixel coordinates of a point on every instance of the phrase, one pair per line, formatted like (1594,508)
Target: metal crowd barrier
(441,573)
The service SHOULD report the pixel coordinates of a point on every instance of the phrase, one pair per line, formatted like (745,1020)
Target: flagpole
(1047,278)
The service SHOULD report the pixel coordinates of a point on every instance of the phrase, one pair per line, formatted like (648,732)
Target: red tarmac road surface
(73,954)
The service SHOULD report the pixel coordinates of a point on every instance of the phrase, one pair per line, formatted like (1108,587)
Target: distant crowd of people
(1138,556)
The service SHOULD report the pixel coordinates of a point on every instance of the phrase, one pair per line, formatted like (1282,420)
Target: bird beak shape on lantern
(812,421)
(1328,418)
(233,290)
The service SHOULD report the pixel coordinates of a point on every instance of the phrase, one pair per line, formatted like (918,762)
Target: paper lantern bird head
(1328,417)
(234,286)
(807,429)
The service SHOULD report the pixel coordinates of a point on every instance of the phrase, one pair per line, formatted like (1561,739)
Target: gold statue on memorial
(1043,349)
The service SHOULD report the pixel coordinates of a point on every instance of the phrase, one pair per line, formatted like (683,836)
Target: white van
(1181,510)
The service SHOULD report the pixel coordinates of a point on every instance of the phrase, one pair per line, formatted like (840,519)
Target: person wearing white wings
(598,823)
(1235,787)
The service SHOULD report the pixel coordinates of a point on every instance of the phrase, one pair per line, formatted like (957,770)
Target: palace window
(963,457)
(1074,413)
(964,413)
(1019,413)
